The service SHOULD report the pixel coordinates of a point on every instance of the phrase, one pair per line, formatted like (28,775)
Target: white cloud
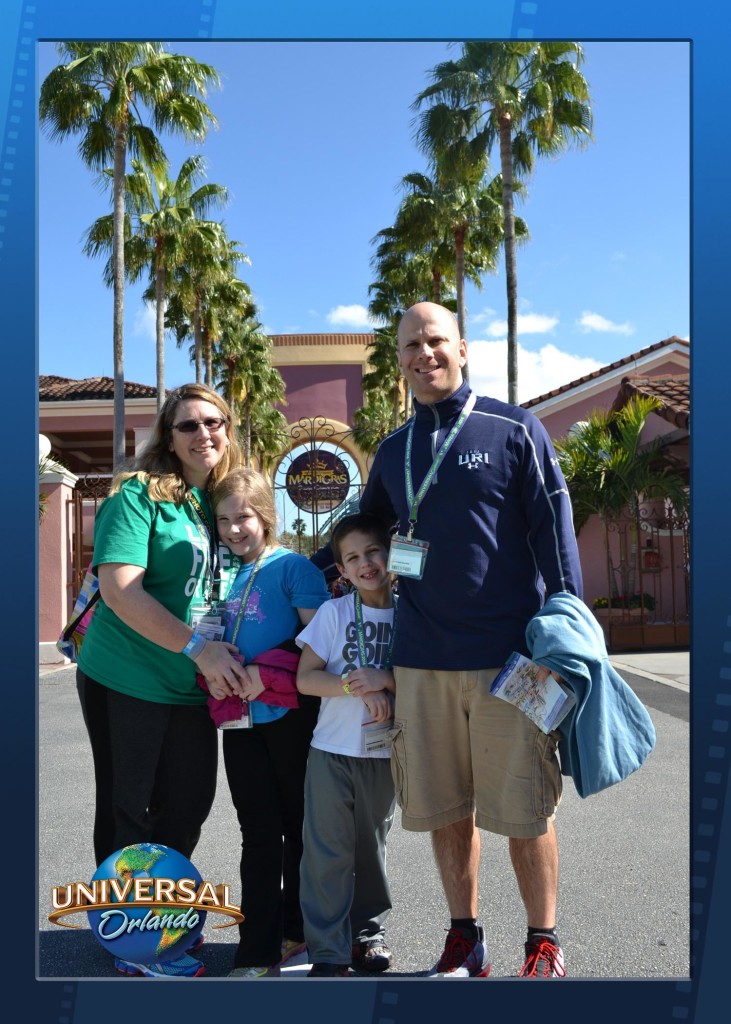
(528,323)
(483,317)
(144,321)
(594,322)
(349,316)
(538,372)
(617,257)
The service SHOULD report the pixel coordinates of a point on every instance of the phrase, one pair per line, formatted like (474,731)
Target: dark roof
(673,340)
(673,390)
(284,340)
(63,389)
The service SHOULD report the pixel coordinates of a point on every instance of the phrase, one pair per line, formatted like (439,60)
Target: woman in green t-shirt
(153,742)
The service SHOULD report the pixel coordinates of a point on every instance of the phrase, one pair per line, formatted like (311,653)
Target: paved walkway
(670,667)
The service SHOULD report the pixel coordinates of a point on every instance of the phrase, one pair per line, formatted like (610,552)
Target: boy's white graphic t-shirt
(333,636)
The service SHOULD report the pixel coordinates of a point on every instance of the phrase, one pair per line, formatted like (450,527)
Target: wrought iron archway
(325,501)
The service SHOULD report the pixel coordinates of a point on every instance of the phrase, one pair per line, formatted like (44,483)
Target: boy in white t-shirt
(349,791)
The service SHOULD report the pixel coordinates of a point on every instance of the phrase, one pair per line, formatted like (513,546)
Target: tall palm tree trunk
(208,355)
(511,273)
(437,286)
(160,335)
(119,446)
(396,405)
(459,240)
(247,436)
(198,344)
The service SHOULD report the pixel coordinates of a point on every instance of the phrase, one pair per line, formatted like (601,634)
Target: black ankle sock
(466,924)
(548,932)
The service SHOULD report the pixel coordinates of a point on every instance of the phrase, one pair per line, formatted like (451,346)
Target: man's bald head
(431,353)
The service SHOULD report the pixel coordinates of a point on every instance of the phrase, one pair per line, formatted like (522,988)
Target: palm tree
(224,298)
(99,94)
(464,211)
(201,282)
(609,472)
(529,99)
(160,213)
(253,387)
(372,421)
(409,271)
(383,377)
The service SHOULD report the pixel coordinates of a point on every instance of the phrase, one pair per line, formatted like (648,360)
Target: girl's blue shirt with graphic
(284,582)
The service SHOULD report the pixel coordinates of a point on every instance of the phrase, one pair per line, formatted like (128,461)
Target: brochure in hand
(546,703)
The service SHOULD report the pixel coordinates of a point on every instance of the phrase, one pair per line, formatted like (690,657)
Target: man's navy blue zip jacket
(498,521)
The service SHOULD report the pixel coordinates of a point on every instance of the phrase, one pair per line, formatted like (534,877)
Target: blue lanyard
(210,534)
(414,500)
(360,632)
(245,595)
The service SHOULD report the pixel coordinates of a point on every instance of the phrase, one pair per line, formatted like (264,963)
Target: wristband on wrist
(345,683)
(194,646)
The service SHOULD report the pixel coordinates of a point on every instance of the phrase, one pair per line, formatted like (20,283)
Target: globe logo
(146,925)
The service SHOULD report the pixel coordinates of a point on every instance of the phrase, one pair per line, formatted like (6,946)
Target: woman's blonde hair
(258,493)
(160,467)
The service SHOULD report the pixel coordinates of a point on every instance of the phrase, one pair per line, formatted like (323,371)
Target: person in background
(153,743)
(349,794)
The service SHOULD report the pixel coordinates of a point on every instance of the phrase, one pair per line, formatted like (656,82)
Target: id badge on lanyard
(407,556)
(206,618)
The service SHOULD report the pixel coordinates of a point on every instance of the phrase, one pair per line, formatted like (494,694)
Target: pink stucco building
(322,374)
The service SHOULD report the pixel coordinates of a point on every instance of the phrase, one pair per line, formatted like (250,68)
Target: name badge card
(377,736)
(207,620)
(408,557)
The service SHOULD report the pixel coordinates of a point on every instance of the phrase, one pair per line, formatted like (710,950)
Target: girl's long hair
(256,491)
(160,468)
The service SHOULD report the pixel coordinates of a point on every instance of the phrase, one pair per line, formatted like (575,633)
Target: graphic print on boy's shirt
(377,636)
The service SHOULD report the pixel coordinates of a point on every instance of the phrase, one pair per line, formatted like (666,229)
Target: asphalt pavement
(624,894)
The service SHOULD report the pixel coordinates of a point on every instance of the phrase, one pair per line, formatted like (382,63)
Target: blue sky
(313,140)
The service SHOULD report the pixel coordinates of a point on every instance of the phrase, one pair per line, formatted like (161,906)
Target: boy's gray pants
(344,891)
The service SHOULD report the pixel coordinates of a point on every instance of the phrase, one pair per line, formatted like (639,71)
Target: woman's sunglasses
(211,423)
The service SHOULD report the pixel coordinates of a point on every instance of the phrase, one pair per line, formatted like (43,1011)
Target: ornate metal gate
(88,494)
(648,566)
(316,482)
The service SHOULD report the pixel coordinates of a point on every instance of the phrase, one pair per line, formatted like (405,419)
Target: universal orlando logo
(145,902)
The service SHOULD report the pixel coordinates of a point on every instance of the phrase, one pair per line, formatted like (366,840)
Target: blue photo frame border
(24,24)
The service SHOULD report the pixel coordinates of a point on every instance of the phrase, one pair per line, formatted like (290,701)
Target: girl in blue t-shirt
(274,593)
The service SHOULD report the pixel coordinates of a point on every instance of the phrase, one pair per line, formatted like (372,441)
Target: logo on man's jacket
(473,460)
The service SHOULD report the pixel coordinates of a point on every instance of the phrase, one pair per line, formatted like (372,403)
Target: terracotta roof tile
(285,340)
(64,389)
(606,369)
(673,390)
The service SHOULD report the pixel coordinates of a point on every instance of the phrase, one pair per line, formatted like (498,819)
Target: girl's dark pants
(265,767)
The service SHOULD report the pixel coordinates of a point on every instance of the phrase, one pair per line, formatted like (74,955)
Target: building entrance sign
(317,481)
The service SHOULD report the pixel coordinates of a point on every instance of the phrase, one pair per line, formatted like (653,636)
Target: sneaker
(371,955)
(252,973)
(183,967)
(292,948)
(196,944)
(463,957)
(543,960)
(322,970)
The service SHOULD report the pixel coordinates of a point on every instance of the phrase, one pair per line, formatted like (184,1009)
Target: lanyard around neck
(360,633)
(414,500)
(245,596)
(210,531)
